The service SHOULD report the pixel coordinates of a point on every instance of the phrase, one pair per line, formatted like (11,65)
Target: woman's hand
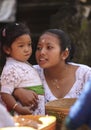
(26,97)
(23,110)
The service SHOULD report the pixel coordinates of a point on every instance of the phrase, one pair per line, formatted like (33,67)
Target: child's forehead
(23,38)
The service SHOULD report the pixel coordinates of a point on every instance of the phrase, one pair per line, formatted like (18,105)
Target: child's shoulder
(8,70)
(37,67)
(9,67)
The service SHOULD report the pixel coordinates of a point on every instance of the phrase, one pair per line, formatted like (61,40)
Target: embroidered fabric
(19,74)
(82,74)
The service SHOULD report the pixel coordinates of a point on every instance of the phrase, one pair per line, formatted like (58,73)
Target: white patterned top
(83,73)
(18,74)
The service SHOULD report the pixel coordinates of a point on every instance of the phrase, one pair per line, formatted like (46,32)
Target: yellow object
(36,121)
(17,128)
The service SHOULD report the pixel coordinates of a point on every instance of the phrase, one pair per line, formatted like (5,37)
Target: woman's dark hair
(65,42)
(8,35)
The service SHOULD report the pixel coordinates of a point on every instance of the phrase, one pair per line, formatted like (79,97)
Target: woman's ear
(6,50)
(65,54)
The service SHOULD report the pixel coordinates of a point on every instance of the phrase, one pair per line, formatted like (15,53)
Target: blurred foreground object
(17,128)
(37,122)
(6,119)
(60,109)
(7,10)
(80,112)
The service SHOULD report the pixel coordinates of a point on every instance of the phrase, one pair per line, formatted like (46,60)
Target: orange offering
(36,121)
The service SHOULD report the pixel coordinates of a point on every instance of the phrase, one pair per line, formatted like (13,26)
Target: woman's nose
(43,51)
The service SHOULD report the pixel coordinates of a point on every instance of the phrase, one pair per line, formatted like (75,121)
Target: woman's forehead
(48,36)
(47,39)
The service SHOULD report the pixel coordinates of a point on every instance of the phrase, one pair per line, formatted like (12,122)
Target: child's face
(21,48)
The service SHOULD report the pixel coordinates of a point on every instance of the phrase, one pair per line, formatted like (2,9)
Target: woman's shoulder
(81,66)
(84,67)
(83,71)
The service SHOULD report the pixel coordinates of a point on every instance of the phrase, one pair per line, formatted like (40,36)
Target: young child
(80,112)
(16,49)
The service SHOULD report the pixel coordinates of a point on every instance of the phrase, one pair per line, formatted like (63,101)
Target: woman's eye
(39,48)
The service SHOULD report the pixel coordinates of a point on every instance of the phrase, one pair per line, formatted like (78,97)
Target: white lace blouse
(82,74)
(18,74)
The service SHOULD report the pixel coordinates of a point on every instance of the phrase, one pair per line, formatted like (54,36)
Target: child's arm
(11,104)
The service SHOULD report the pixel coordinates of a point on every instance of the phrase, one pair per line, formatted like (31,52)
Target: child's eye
(21,45)
(30,44)
(49,47)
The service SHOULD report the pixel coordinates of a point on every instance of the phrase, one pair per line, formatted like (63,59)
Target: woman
(60,77)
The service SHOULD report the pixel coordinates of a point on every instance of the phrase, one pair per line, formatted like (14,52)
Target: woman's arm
(26,97)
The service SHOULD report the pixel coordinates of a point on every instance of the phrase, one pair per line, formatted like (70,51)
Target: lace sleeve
(9,80)
(88,74)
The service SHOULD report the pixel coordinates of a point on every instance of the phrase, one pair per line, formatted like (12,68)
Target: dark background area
(69,15)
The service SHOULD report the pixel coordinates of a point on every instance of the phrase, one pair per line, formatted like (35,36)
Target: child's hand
(26,97)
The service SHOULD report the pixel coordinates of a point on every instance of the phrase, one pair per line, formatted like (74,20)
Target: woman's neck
(56,72)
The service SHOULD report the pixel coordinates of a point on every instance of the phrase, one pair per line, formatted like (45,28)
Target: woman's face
(48,53)
(21,48)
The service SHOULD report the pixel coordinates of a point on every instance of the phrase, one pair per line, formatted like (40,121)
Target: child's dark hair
(65,42)
(8,34)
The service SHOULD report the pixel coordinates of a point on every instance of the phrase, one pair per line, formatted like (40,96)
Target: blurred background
(72,16)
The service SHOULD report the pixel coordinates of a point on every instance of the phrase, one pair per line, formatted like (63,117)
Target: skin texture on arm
(10,101)
(30,96)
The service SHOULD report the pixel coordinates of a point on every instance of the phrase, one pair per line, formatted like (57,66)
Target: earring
(66,49)
(63,58)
